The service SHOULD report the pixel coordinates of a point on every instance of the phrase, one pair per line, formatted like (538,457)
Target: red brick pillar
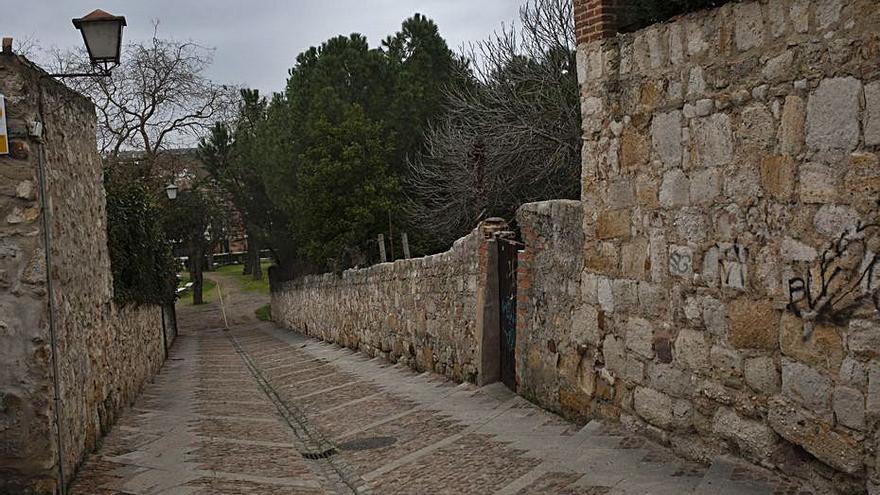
(595,19)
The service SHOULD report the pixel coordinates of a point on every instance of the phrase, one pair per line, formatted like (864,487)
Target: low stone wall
(104,353)
(420,312)
(730,186)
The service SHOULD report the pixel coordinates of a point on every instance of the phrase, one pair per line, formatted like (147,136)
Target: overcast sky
(256,41)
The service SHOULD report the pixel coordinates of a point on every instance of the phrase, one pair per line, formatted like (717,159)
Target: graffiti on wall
(732,261)
(845,278)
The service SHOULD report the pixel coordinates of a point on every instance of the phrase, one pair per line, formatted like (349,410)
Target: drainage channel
(338,476)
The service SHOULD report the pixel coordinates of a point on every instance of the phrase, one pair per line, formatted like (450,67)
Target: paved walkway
(260,410)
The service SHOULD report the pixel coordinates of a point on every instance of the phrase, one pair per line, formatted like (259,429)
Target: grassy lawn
(209,290)
(246,282)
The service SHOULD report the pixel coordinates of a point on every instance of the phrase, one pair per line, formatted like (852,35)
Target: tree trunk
(197,277)
(249,257)
(257,268)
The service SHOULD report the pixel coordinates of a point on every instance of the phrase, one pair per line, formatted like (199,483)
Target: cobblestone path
(260,410)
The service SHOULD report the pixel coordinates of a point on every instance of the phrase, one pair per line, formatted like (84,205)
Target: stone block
(791,131)
(824,348)
(793,250)
(779,68)
(854,373)
(613,224)
(634,259)
(647,191)
(666,138)
(749,25)
(692,350)
(654,407)
(863,338)
(690,225)
(714,315)
(807,387)
(833,220)
(640,337)
(670,380)
(713,140)
(705,186)
(585,326)
(800,15)
(873,398)
(836,449)
(818,183)
(675,189)
(752,437)
(828,13)
(620,194)
(602,257)
(605,295)
(727,362)
(681,261)
(754,324)
(762,375)
(614,352)
(872,114)
(778,176)
(696,84)
(833,114)
(635,149)
(849,408)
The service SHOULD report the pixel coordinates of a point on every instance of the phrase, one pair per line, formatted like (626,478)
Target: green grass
(208,290)
(246,282)
(264,313)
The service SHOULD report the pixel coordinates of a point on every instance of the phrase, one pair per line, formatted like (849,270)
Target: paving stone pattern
(261,410)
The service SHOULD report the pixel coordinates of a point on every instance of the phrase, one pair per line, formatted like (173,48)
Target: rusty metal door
(507,264)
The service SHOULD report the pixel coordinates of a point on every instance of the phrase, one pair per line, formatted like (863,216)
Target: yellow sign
(4,137)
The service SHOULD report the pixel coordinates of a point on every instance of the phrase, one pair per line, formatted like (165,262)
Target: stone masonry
(731,220)
(104,353)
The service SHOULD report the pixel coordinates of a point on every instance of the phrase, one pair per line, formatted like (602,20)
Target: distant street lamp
(171,191)
(102,35)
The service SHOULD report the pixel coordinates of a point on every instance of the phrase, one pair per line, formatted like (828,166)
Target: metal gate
(507,263)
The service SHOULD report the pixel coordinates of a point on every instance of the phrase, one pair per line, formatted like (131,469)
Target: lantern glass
(171,191)
(102,34)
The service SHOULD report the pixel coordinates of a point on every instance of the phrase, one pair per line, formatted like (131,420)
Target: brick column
(595,19)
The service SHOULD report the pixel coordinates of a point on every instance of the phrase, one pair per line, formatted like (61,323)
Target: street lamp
(171,191)
(102,35)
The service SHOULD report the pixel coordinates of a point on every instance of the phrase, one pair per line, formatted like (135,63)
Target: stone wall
(730,193)
(419,312)
(549,330)
(104,353)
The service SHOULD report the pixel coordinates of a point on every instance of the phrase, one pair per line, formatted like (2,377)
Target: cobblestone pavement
(260,410)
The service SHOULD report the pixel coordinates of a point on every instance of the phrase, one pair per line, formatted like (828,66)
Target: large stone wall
(104,353)
(419,312)
(730,193)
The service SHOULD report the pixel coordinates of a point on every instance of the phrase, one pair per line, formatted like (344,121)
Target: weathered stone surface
(640,337)
(792,131)
(873,397)
(778,67)
(666,138)
(854,373)
(749,25)
(807,387)
(778,176)
(833,220)
(762,375)
(726,362)
(872,114)
(833,114)
(692,350)
(794,250)
(816,436)
(824,348)
(863,338)
(614,351)
(753,324)
(817,184)
(613,224)
(654,407)
(681,261)
(754,438)
(635,149)
(675,189)
(849,408)
(713,140)
(705,186)
(633,259)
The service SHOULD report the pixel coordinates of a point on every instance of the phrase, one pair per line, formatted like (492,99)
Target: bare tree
(157,98)
(511,137)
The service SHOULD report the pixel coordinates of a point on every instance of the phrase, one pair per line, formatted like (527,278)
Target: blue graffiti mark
(508,321)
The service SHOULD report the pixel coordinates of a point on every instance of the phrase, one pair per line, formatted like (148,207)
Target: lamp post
(102,35)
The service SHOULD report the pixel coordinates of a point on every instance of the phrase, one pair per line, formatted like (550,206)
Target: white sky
(256,41)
